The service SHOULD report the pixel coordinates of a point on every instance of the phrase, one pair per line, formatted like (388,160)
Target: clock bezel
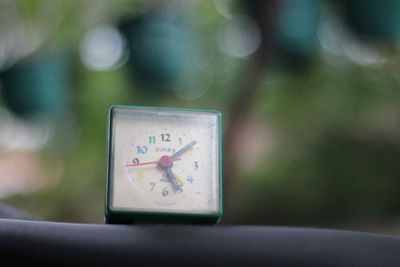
(113,215)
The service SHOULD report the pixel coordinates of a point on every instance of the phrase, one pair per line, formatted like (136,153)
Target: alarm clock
(164,166)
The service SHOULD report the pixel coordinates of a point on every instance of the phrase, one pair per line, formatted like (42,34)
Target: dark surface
(40,243)
(8,212)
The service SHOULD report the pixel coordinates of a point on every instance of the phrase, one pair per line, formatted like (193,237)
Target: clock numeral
(152,186)
(140,176)
(164,178)
(196,165)
(165,192)
(141,149)
(152,139)
(180,141)
(166,137)
(135,161)
(189,179)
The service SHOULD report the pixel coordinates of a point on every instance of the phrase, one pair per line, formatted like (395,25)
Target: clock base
(164,219)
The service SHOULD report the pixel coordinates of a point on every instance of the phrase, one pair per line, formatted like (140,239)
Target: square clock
(164,166)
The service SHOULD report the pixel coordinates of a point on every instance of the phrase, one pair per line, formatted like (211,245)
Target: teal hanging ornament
(159,47)
(375,20)
(36,86)
(289,29)
(297,30)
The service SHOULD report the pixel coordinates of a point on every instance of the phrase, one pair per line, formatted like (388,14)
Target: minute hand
(183,150)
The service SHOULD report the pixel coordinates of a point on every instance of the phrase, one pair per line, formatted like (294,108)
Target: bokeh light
(103,48)
(239,37)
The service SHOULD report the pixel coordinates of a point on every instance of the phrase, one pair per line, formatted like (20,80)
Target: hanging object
(159,47)
(297,30)
(374,19)
(289,29)
(36,86)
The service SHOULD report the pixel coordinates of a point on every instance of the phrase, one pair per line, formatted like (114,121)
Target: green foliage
(341,177)
(337,155)
(335,128)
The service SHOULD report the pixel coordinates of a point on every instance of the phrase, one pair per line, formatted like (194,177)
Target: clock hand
(172,179)
(178,179)
(147,163)
(174,157)
(165,163)
(183,150)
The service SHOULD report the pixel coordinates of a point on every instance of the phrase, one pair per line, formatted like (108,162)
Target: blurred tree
(264,13)
(290,32)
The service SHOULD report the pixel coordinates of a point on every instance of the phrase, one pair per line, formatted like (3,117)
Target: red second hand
(147,163)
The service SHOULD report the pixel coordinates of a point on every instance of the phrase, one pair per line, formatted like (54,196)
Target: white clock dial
(165,161)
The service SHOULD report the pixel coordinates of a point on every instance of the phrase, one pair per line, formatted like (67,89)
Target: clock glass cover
(163,163)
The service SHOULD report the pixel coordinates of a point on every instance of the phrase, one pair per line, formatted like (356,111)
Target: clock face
(164,161)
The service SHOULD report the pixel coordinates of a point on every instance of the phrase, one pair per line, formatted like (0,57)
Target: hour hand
(171,177)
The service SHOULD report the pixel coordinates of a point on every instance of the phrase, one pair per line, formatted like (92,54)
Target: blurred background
(309,91)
